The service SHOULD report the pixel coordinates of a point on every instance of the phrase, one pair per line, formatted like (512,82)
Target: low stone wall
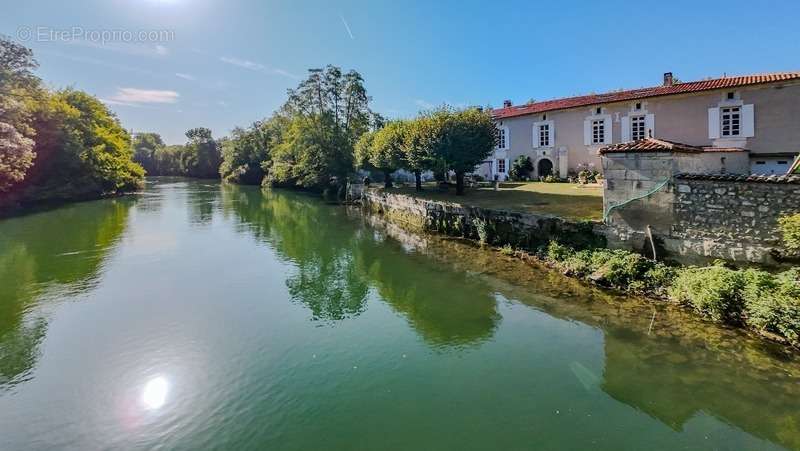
(696,218)
(498,227)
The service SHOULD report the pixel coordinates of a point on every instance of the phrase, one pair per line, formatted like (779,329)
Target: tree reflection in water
(43,256)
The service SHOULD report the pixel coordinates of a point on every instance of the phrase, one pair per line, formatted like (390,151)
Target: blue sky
(228,63)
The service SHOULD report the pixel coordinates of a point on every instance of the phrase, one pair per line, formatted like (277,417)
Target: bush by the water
(747,297)
(614,268)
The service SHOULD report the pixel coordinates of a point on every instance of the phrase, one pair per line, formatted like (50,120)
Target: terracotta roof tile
(634,94)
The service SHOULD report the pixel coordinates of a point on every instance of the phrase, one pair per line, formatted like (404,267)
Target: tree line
(66,144)
(56,144)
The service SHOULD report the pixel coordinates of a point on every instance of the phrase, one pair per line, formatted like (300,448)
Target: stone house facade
(756,114)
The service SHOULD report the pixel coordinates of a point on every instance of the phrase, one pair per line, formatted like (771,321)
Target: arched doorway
(544,167)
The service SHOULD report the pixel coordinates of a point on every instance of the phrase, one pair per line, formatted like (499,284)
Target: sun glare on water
(155,392)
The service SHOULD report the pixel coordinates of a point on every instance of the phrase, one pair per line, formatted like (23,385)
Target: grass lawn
(561,199)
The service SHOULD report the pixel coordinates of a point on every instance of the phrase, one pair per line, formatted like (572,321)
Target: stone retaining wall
(696,218)
(497,227)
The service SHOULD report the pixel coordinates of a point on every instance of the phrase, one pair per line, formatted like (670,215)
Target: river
(200,316)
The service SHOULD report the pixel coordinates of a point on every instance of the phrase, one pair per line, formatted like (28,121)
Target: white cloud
(134,96)
(185,76)
(256,67)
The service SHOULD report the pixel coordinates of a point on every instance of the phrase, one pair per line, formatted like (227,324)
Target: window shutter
(552,142)
(508,139)
(626,129)
(494,167)
(535,140)
(748,122)
(713,123)
(508,168)
(650,125)
(609,126)
(587,133)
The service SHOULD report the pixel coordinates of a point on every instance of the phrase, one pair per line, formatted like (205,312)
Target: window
(598,110)
(731,120)
(598,131)
(730,96)
(544,117)
(501,166)
(638,106)
(544,135)
(638,128)
(501,138)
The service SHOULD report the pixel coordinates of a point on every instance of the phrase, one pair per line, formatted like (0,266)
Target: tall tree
(327,113)
(419,137)
(202,156)
(145,146)
(383,149)
(465,138)
(16,156)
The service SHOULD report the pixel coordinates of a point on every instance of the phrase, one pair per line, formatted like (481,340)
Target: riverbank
(764,303)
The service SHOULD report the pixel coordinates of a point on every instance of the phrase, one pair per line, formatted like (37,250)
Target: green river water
(200,316)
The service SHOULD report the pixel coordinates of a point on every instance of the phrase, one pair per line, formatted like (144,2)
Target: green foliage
(328,113)
(521,168)
(145,146)
(790,229)
(507,250)
(463,139)
(773,303)
(615,268)
(382,149)
(247,150)
(714,291)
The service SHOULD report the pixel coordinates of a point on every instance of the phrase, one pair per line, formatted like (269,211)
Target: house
(755,114)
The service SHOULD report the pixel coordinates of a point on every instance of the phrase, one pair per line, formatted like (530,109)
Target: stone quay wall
(495,227)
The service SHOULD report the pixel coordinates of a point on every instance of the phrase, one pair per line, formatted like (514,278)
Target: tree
(202,156)
(464,139)
(247,152)
(383,149)
(419,138)
(521,168)
(16,156)
(145,146)
(325,117)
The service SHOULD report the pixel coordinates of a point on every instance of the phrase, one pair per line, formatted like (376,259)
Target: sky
(223,63)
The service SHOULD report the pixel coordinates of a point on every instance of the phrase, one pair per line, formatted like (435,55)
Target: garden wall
(496,227)
(695,218)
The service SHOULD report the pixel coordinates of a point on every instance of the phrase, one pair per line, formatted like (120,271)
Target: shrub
(521,168)
(557,252)
(507,250)
(773,303)
(714,291)
(790,229)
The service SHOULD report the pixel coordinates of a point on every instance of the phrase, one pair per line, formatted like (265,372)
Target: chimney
(667,78)
(506,104)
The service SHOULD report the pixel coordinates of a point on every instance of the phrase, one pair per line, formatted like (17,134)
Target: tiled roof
(642,93)
(649,145)
(724,149)
(791,179)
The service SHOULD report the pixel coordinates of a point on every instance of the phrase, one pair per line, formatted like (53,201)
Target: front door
(545,167)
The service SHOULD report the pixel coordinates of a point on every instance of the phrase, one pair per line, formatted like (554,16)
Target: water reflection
(313,237)
(44,256)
